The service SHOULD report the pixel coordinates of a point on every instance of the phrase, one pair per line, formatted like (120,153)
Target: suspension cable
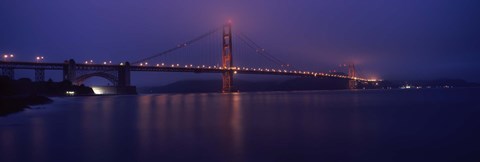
(261,50)
(179,46)
(258,50)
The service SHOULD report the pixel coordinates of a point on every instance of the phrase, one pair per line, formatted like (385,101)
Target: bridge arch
(110,77)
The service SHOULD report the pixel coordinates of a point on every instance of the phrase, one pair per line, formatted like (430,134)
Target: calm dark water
(372,125)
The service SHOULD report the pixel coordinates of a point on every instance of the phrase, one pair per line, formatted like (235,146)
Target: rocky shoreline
(17,95)
(12,104)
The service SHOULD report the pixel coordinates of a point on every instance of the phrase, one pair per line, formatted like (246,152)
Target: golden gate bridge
(203,60)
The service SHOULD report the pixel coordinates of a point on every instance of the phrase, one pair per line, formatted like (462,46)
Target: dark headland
(299,84)
(17,95)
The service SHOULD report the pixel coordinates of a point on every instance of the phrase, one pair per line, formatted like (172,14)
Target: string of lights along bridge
(213,52)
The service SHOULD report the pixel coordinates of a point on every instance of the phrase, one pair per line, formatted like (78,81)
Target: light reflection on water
(276,126)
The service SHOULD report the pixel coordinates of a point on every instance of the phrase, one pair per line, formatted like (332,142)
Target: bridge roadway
(172,68)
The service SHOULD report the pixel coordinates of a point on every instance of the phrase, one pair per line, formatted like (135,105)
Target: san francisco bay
(342,125)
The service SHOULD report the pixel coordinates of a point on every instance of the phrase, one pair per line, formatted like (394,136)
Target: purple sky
(404,39)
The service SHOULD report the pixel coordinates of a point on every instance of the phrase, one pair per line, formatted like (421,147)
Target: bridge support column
(69,70)
(39,75)
(124,75)
(227,82)
(227,60)
(352,83)
(9,72)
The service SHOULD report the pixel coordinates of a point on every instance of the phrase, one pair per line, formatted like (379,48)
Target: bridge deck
(172,68)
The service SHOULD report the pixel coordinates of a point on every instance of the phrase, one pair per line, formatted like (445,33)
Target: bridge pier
(352,84)
(124,86)
(9,72)
(69,70)
(227,82)
(39,75)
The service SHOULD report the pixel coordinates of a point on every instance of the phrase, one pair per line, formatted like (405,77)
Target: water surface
(364,125)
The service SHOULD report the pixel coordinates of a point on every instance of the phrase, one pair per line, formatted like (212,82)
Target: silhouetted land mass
(203,86)
(438,83)
(11,104)
(16,95)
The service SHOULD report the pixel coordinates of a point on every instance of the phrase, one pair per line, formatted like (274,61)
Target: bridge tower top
(227,60)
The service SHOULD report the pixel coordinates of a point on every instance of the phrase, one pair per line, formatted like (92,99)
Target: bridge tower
(352,83)
(227,60)
(124,75)
(69,69)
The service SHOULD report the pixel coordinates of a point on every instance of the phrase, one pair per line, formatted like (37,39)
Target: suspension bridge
(203,53)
